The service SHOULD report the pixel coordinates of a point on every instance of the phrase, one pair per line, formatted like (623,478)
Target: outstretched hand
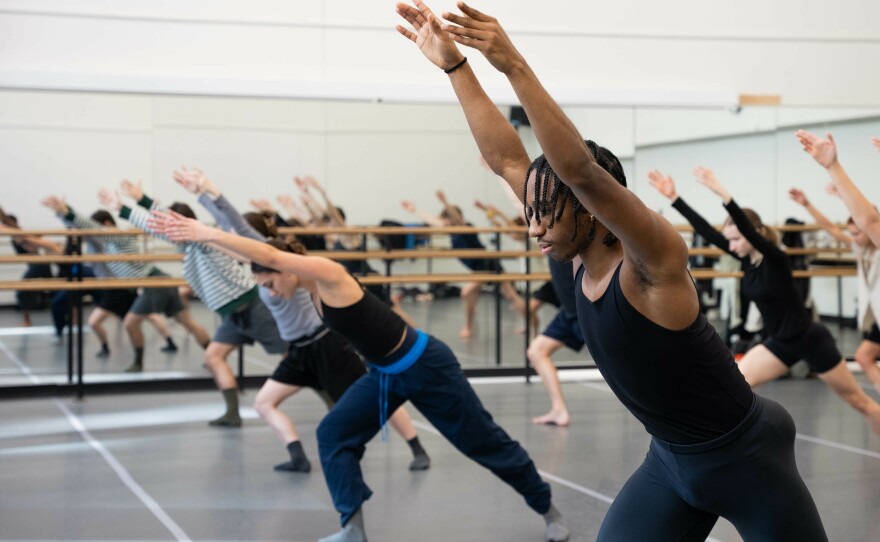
(831,190)
(179,228)
(431,39)
(56,203)
(706,177)
(483,33)
(132,189)
(663,183)
(408,205)
(799,197)
(109,199)
(263,205)
(823,151)
(876,142)
(191,181)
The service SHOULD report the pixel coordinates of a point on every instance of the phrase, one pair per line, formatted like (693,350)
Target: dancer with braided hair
(714,443)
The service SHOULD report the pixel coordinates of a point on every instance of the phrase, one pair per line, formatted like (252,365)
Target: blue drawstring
(383,405)
(406,361)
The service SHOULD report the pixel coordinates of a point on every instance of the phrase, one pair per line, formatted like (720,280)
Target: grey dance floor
(147,467)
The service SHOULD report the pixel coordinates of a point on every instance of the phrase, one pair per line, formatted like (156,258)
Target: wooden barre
(90,284)
(356,230)
(340,255)
(702,274)
(169,282)
(356,255)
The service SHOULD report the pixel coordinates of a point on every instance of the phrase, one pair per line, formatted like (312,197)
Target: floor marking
(839,446)
(552,477)
(34,379)
(124,475)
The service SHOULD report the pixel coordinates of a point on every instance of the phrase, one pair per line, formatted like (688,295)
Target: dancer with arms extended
(318,358)
(868,285)
(405,364)
(714,443)
(768,281)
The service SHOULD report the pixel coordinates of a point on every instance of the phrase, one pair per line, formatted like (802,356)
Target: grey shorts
(253,323)
(155,300)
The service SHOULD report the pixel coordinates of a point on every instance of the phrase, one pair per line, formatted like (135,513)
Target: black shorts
(327,363)
(872,335)
(816,346)
(565,329)
(546,294)
(486,266)
(116,301)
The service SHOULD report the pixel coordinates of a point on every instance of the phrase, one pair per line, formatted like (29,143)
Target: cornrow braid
(561,193)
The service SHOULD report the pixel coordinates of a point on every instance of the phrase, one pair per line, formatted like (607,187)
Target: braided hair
(561,194)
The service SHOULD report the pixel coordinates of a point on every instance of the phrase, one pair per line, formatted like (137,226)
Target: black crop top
(682,385)
(370,325)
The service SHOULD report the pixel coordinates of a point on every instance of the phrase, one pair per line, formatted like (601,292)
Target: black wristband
(457,66)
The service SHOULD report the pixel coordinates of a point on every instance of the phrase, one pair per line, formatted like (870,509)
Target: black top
(769,284)
(467,241)
(562,279)
(682,385)
(369,325)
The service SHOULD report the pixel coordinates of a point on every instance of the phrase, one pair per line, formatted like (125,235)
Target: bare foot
(559,419)
(466,333)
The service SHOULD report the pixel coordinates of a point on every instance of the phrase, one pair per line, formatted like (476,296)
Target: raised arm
(801,199)
(707,178)
(647,238)
(496,138)
(430,220)
(666,186)
(452,212)
(824,152)
(335,285)
(210,197)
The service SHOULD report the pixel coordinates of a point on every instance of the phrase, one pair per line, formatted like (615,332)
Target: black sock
(139,356)
(298,460)
(105,348)
(170,343)
(416,446)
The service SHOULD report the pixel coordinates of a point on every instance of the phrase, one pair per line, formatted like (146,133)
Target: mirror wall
(369,157)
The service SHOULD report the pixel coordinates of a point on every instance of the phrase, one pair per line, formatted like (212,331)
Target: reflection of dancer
(225,287)
(405,364)
(867,271)
(132,308)
(317,357)
(545,293)
(470,293)
(563,330)
(30,244)
(714,443)
(864,215)
(768,281)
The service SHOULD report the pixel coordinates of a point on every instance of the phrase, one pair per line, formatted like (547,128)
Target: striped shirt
(296,317)
(221,282)
(111,244)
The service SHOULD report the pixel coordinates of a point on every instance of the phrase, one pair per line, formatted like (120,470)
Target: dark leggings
(437,387)
(748,477)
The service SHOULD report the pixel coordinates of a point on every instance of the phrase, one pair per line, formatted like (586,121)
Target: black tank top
(369,325)
(682,385)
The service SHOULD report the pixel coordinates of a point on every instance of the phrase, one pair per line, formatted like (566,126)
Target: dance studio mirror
(369,157)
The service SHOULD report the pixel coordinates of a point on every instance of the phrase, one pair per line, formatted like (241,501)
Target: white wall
(629,52)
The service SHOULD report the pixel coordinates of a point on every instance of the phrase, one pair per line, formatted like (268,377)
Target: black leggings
(747,476)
